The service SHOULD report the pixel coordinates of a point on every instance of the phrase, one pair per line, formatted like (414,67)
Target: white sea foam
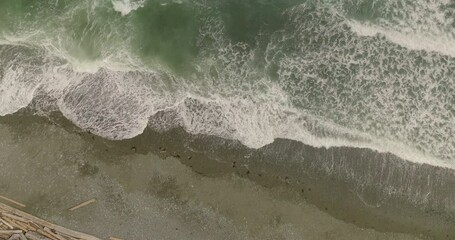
(126,6)
(19,79)
(442,43)
(417,25)
(256,125)
(117,105)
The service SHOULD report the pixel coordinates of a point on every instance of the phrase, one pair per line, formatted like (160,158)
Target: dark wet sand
(359,186)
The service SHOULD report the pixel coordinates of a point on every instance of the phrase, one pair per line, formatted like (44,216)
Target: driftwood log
(18,225)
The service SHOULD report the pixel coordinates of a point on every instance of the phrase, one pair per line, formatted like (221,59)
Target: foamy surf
(126,6)
(320,78)
(442,43)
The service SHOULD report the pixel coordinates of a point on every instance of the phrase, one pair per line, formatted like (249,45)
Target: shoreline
(403,197)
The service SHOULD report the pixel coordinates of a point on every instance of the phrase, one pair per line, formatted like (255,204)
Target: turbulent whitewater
(378,74)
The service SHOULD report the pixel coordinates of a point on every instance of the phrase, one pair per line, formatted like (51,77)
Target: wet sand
(173,185)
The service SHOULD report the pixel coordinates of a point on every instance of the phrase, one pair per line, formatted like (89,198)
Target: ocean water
(358,73)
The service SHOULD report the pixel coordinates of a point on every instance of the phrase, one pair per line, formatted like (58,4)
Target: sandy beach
(173,186)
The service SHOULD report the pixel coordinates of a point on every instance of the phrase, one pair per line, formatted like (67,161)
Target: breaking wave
(326,73)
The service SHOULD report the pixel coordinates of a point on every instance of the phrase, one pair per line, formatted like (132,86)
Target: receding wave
(304,71)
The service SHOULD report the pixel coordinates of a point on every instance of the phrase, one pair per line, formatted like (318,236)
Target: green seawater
(165,31)
(338,71)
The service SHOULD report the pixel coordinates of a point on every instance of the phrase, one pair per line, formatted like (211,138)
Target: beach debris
(6,223)
(17,236)
(35,236)
(114,238)
(12,201)
(18,225)
(10,231)
(83,204)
